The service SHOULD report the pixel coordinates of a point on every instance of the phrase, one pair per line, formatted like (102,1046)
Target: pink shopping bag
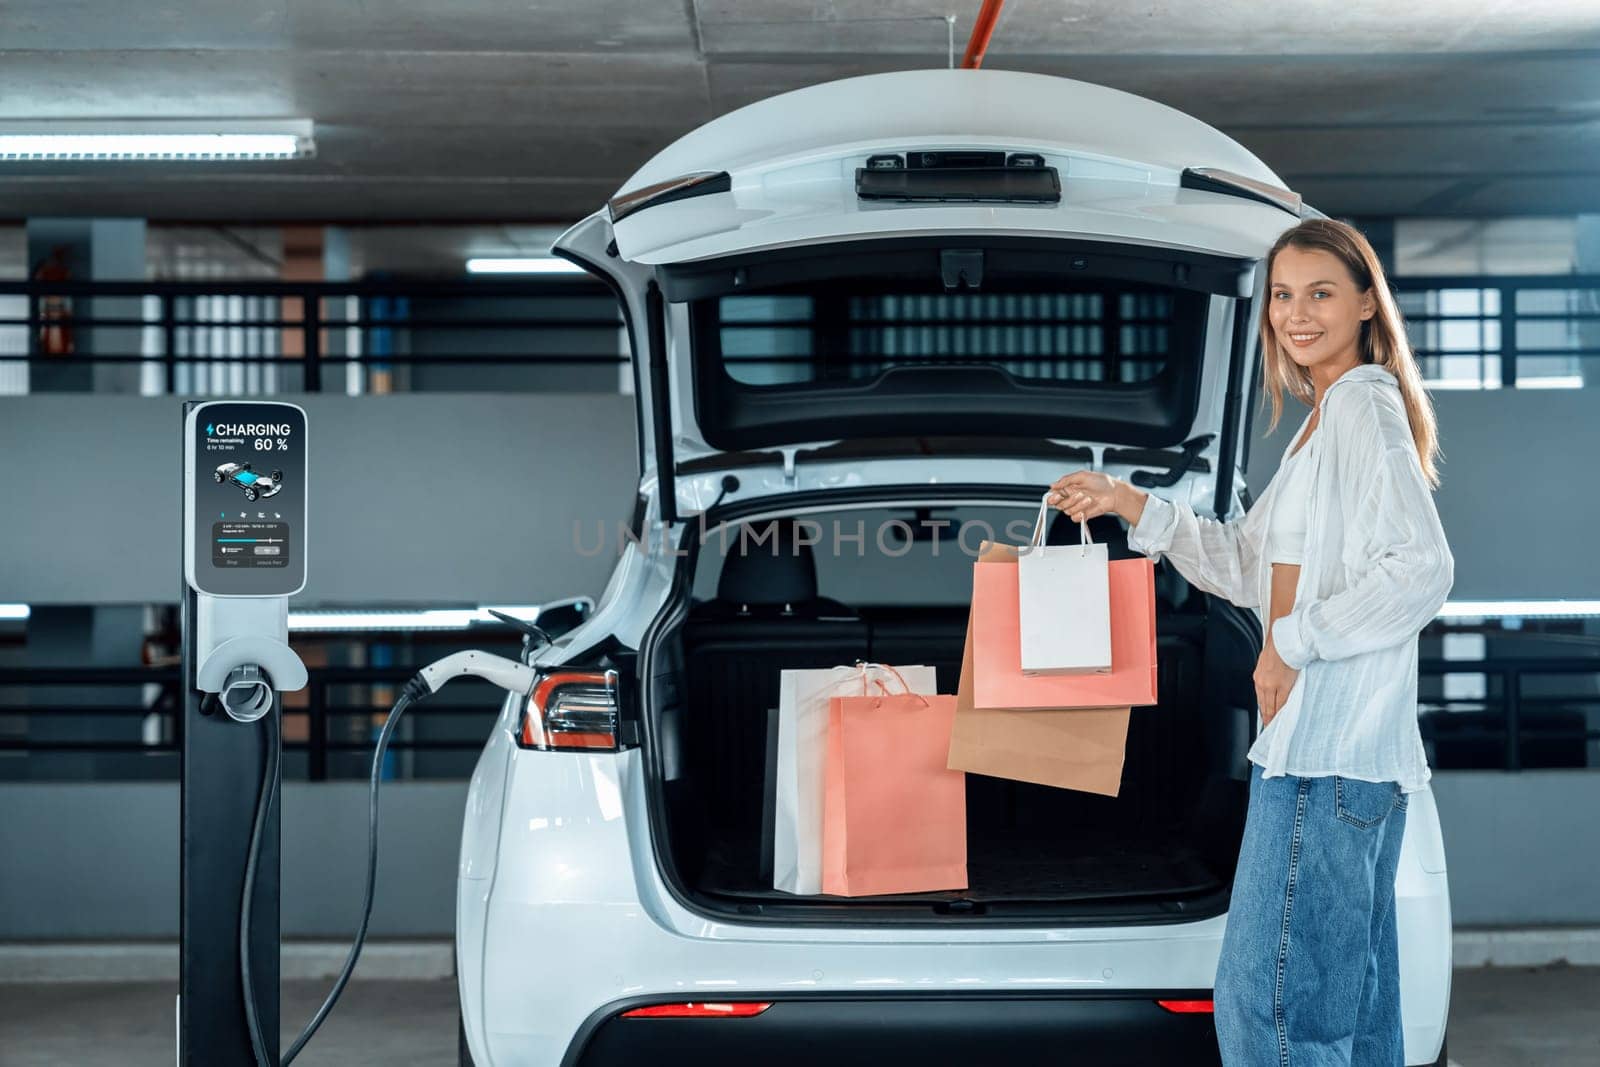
(894,815)
(998,681)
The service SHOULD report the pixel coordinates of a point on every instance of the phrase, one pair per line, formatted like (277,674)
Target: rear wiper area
(1175,464)
(897,448)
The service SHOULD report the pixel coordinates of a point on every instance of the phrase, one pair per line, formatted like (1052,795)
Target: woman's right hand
(1083,495)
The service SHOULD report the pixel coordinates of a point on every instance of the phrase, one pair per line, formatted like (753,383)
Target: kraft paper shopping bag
(895,816)
(1064,604)
(802,738)
(1079,749)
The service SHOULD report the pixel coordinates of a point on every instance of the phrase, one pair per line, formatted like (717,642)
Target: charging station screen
(248,503)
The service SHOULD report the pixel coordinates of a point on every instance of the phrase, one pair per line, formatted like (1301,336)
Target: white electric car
(907,300)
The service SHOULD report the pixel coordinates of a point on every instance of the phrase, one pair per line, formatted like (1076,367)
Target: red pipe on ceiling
(982,30)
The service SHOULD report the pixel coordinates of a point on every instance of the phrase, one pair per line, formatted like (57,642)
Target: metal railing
(1513,730)
(1491,331)
(260,338)
(311,730)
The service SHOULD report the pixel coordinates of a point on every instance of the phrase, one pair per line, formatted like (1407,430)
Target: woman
(1345,554)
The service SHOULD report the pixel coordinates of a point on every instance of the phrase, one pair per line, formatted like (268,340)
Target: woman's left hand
(1273,679)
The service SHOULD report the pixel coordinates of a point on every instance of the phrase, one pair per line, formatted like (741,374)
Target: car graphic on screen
(255,485)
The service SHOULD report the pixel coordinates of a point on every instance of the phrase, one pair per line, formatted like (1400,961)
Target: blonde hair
(1382,341)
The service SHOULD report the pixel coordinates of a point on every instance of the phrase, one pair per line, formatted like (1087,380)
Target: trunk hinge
(1188,459)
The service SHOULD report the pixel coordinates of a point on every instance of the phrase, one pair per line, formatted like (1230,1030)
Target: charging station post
(245,503)
(244,538)
(221,761)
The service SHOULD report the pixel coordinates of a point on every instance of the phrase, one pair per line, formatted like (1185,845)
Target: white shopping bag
(802,742)
(1064,596)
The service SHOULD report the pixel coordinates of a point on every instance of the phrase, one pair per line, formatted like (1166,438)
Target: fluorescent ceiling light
(432,619)
(522,265)
(1567,381)
(1491,609)
(1461,383)
(180,139)
(20,611)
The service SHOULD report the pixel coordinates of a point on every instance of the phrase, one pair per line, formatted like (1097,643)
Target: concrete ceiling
(495,110)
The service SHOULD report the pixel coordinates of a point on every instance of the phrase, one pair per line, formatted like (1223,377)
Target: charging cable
(247,696)
(509,675)
(266,795)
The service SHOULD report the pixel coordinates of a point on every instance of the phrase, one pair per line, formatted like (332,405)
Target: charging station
(245,504)
(245,466)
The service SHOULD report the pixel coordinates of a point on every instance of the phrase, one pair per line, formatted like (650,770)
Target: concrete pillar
(343,342)
(75,637)
(316,254)
(302,262)
(89,250)
(1380,233)
(335,254)
(1586,253)
(1586,260)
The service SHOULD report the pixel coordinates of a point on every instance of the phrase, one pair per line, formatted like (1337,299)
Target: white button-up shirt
(1376,570)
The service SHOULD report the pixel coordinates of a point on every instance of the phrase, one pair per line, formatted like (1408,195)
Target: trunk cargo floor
(1014,866)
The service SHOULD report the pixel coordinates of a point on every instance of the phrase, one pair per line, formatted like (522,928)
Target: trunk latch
(961,267)
(959,907)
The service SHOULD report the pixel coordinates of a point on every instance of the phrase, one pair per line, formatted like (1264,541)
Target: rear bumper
(930,1030)
(574,924)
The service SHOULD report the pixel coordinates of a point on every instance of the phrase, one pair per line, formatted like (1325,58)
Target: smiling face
(1316,310)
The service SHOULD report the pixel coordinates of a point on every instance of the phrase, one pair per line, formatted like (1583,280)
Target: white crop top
(1286,537)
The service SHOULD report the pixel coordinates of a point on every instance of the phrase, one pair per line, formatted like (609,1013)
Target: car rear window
(959,337)
(839,333)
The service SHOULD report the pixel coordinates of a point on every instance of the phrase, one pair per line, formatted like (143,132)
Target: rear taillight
(1188,1006)
(740,1010)
(572,711)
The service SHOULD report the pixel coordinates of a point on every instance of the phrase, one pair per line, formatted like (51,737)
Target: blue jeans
(1310,970)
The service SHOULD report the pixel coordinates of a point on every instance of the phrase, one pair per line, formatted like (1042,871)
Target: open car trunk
(1162,850)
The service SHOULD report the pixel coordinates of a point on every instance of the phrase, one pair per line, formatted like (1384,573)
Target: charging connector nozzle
(247,693)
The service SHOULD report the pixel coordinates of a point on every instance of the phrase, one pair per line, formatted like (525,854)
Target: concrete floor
(132,1024)
(1499,1017)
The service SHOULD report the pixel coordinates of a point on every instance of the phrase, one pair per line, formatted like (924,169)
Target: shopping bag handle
(1037,540)
(860,668)
(905,689)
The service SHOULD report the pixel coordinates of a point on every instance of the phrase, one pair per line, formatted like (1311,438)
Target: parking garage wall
(452,498)
(471,501)
(1515,488)
(415,498)
(112,871)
